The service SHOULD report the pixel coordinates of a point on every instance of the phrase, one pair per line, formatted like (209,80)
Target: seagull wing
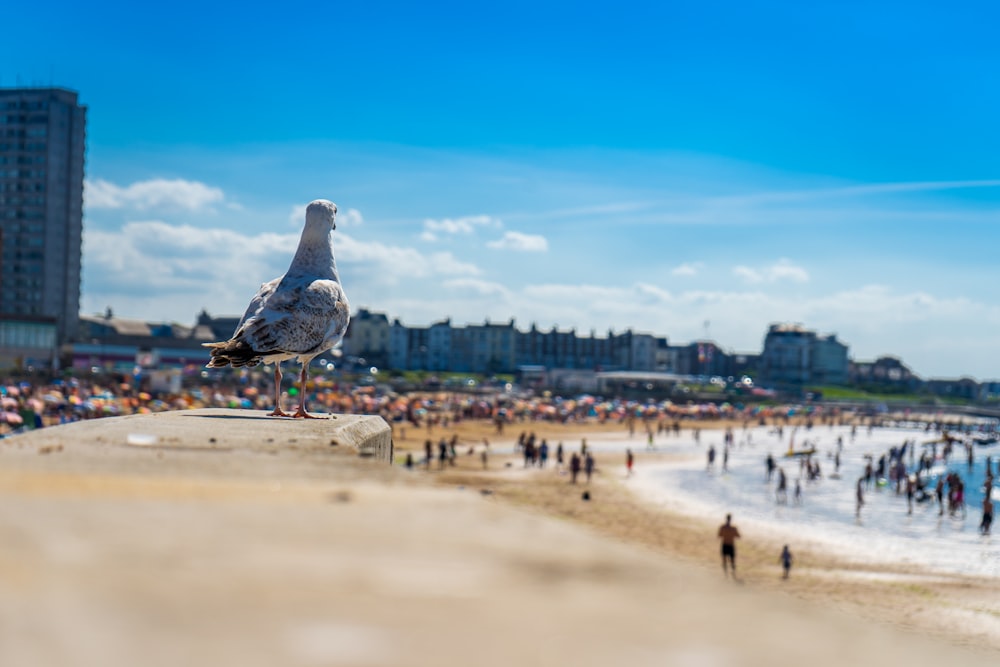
(295,318)
(238,351)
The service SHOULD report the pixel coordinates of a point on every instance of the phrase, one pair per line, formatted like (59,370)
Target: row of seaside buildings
(792,356)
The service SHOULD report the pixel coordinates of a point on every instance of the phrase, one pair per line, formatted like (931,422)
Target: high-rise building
(42,146)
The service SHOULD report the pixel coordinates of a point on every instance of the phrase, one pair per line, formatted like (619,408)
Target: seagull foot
(278,412)
(302,414)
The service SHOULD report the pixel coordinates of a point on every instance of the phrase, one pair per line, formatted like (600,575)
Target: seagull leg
(278,412)
(301,412)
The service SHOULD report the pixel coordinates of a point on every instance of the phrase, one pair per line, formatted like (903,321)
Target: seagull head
(321,213)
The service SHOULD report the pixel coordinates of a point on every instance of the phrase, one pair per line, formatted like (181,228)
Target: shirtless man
(728,533)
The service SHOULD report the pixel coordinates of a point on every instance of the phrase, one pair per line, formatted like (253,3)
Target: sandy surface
(960,610)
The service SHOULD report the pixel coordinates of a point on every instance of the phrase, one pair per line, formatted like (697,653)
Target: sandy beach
(958,604)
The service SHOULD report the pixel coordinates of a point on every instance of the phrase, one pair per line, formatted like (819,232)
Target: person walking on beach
(939,494)
(629,460)
(728,533)
(588,466)
(860,495)
(984,525)
(574,467)
(781,494)
(442,453)
(786,561)
(770,466)
(911,486)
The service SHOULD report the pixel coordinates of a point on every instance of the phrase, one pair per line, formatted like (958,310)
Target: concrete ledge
(215,430)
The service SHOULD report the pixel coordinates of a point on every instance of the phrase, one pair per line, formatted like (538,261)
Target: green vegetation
(838,393)
(704,388)
(855,394)
(448,379)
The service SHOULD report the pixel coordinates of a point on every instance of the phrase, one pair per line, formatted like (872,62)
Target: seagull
(297,316)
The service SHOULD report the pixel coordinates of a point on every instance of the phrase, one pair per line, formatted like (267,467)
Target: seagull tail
(233,353)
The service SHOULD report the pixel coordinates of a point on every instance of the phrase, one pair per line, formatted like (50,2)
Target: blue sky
(652,166)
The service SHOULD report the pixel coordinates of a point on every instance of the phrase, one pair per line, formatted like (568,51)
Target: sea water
(885,533)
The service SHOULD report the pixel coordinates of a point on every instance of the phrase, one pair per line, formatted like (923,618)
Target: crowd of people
(931,476)
(35,403)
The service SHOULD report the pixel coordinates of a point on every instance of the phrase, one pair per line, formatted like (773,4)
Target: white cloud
(350,218)
(156,256)
(651,294)
(433,229)
(297,216)
(390,265)
(157,266)
(748,275)
(898,187)
(477,288)
(447,264)
(782,270)
(687,269)
(785,270)
(520,242)
(157,193)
